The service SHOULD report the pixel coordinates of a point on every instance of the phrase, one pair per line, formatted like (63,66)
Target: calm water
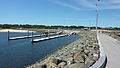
(20,53)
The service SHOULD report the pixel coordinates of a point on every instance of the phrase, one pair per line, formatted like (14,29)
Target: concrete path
(112,50)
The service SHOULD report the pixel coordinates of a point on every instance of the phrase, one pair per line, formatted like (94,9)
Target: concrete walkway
(112,50)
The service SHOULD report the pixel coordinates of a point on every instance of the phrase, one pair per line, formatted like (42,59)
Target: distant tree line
(40,26)
(22,26)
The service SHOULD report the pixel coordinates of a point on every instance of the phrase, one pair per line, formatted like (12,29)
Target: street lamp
(97,18)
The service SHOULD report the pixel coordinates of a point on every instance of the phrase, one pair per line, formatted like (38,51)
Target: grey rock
(86,51)
(89,62)
(43,66)
(69,62)
(76,65)
(55,61)
(95,56)
(67,58)
(62,64)
(79,59)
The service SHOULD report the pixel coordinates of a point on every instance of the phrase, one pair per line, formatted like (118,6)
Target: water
(21,53)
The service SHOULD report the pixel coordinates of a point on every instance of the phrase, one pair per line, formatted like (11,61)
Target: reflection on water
(19,53)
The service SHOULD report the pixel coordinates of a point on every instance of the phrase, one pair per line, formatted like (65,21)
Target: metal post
(28,33)
(8,35)
(32,36)
(48,33)
(96,19)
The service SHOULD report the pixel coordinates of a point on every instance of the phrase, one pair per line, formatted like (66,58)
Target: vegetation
(40,26)
(17,26)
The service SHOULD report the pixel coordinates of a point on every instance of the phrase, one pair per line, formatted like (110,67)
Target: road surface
(112,50)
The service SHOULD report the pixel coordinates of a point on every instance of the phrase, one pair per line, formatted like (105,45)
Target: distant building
(86,29)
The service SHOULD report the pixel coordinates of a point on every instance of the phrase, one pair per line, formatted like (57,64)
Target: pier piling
(32,36)
(8,35)
(28,33)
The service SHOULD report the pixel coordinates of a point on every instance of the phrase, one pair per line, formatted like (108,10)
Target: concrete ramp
(111,47)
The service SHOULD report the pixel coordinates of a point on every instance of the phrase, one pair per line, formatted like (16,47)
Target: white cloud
(111,4)
(86,3)
(115,1)
(90,4)
(66,4)
(112,7)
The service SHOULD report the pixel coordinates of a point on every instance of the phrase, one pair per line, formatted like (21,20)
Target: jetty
(48,38)
(23,37)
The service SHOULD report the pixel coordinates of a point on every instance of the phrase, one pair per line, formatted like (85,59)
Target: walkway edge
(101,63)
(114,39)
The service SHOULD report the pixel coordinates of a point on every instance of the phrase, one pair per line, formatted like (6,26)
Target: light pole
(97,18)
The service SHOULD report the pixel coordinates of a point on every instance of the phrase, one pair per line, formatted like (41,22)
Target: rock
(80,54)
(89,62)
(56,61)
(62,64)
(43,66)
(90,54)
(95,56)
(94,51)
(96,47)
(70,62)
(52,65)
(60,58)
(67,58)
(85,56)
(86,52)
(76,65)
(65,53)
(79,59)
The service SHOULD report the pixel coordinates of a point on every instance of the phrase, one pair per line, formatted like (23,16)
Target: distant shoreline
(14,30)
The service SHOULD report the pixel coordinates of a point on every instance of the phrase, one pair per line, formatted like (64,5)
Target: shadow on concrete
(104,64)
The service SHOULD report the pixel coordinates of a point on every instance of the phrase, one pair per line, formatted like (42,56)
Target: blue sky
(60,12)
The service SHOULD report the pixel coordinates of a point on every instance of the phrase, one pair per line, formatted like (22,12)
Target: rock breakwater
(82,53)
(114,34)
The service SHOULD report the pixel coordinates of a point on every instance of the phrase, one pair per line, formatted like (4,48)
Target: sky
(60,12)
